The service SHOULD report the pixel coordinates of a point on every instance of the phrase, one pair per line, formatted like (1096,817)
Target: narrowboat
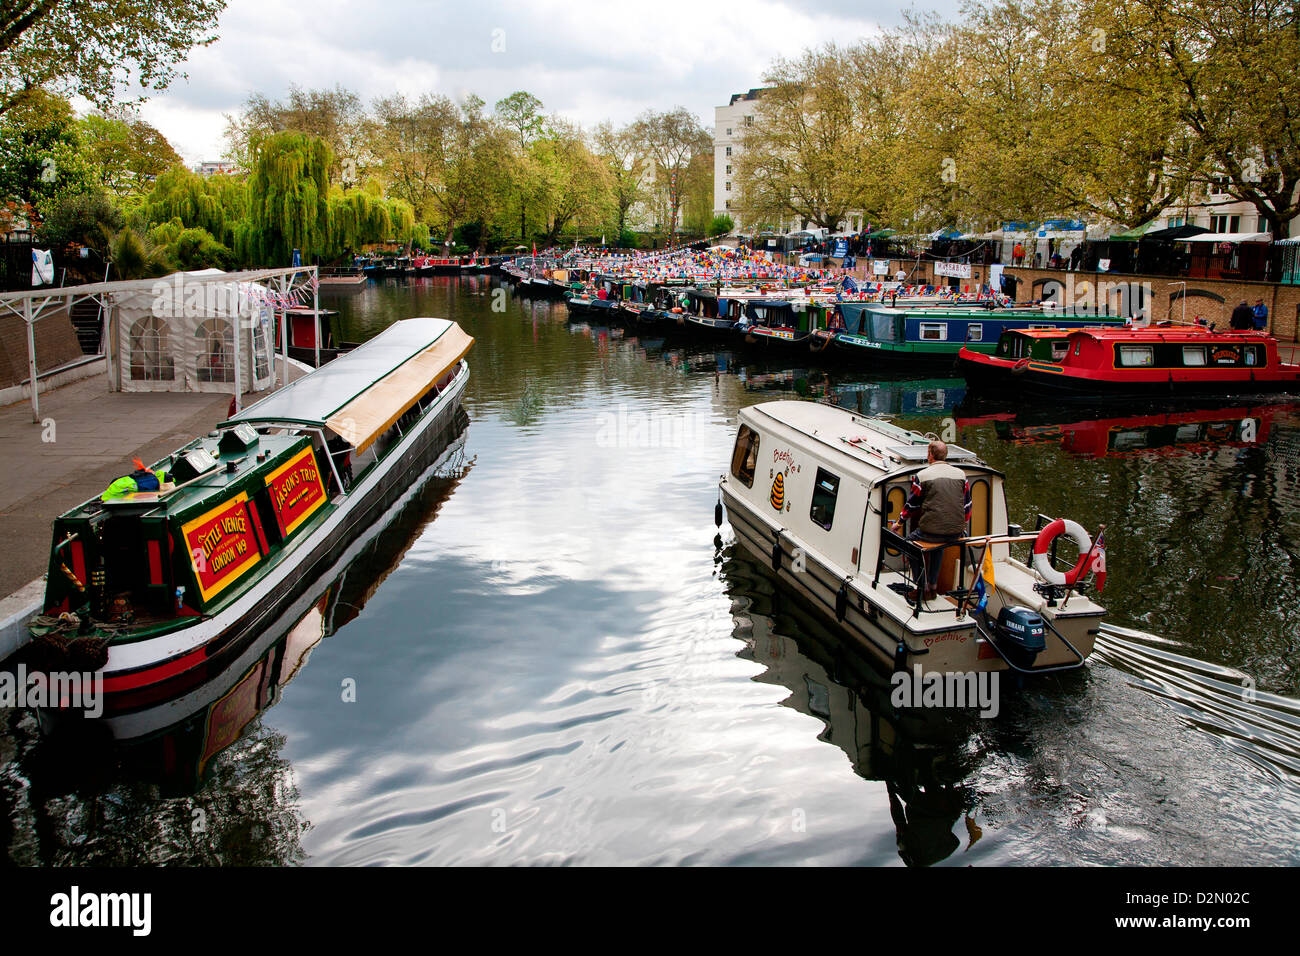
(878,334)
(1153,362)
(779,323)
(153,586)
(813,490)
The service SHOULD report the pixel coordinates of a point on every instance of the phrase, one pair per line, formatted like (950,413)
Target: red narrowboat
(1158,361)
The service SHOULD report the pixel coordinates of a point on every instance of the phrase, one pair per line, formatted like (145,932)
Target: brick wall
(1210,299)
(56,344)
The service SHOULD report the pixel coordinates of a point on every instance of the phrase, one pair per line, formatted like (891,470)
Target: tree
(444,160)
(336,116)
(624,158)
(88,219)
(288,193)
(577,184)
(671,140)
(126,155)
(89,47)
(1231,67)
(521,114)
(801,157)
(41,154)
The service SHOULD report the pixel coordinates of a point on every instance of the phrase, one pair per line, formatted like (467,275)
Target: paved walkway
(96,434)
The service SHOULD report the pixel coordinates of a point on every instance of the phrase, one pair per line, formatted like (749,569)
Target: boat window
(1253,355)
(744,459)
(882,328)
(1060,349)
(1136,356)
(974,332)
(979,506)
(1193,355)
(934,331)
(823,498)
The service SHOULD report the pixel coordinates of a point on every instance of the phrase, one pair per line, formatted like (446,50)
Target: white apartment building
(214,167)
(1220,213)
(729,123)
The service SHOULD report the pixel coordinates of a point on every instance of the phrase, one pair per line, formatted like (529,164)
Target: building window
(744,459)
(823,499)
(728,130)
(728,169)
(749,121)
(728,187)
(1225,223)
(728,150)
(728,204)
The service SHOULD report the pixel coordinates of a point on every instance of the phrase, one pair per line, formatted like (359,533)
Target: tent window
(216,361)
(150,359)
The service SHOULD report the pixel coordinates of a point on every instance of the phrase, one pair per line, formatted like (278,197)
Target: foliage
(41,154)
(126,154)
(671,140)
(288,192)
(87,47)
(721,225)
(88,219)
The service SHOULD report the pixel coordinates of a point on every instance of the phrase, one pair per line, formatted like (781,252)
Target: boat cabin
(243,499)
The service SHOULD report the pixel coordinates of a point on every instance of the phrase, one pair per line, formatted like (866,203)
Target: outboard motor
(1021,634)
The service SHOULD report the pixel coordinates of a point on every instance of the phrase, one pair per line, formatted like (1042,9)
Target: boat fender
(717,514)
(1043,544)
(842,600)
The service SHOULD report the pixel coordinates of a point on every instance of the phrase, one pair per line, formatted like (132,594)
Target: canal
(551,655)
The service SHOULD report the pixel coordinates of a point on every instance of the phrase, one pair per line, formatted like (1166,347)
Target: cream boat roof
(875,448)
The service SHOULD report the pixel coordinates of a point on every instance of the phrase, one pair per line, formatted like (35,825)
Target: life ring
(1043,544)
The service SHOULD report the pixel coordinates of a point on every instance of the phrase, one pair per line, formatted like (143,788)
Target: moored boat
(158,584)
(820,512)
(1153,362)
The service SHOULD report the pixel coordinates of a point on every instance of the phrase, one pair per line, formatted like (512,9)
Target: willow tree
(212,203)
(288,199)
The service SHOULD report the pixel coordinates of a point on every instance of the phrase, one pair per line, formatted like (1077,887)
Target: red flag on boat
(1099,561)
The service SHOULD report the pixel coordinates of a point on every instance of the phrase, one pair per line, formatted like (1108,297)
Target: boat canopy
(360,394)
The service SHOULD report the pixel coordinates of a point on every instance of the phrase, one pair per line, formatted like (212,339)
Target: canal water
(551,655)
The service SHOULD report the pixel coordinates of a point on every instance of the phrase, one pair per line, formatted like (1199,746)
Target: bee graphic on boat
(778,491)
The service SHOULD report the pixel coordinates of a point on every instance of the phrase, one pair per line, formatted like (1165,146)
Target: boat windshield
(883,328)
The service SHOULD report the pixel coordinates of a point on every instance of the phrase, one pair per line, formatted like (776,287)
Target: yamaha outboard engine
(1021,634)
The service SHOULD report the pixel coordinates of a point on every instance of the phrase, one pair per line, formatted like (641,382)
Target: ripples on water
(556,662)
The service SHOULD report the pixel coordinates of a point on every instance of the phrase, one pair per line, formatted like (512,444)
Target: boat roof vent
(239,439)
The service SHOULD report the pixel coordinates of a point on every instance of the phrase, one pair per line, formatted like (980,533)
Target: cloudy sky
(587,61)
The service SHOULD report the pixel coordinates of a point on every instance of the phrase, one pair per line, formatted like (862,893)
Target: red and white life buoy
(1043,545)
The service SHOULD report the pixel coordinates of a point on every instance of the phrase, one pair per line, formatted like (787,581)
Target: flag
(1099,561)
(42,267)
(984,585)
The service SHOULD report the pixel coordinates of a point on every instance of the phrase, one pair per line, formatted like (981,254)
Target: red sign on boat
(222,545)
(296,491)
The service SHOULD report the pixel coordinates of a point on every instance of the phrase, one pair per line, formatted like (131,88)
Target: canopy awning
(360,394)
(1176,232)
(1137,232)
(1231,237)
(880,234)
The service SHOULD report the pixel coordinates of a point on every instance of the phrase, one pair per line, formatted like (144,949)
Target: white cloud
(586,61)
